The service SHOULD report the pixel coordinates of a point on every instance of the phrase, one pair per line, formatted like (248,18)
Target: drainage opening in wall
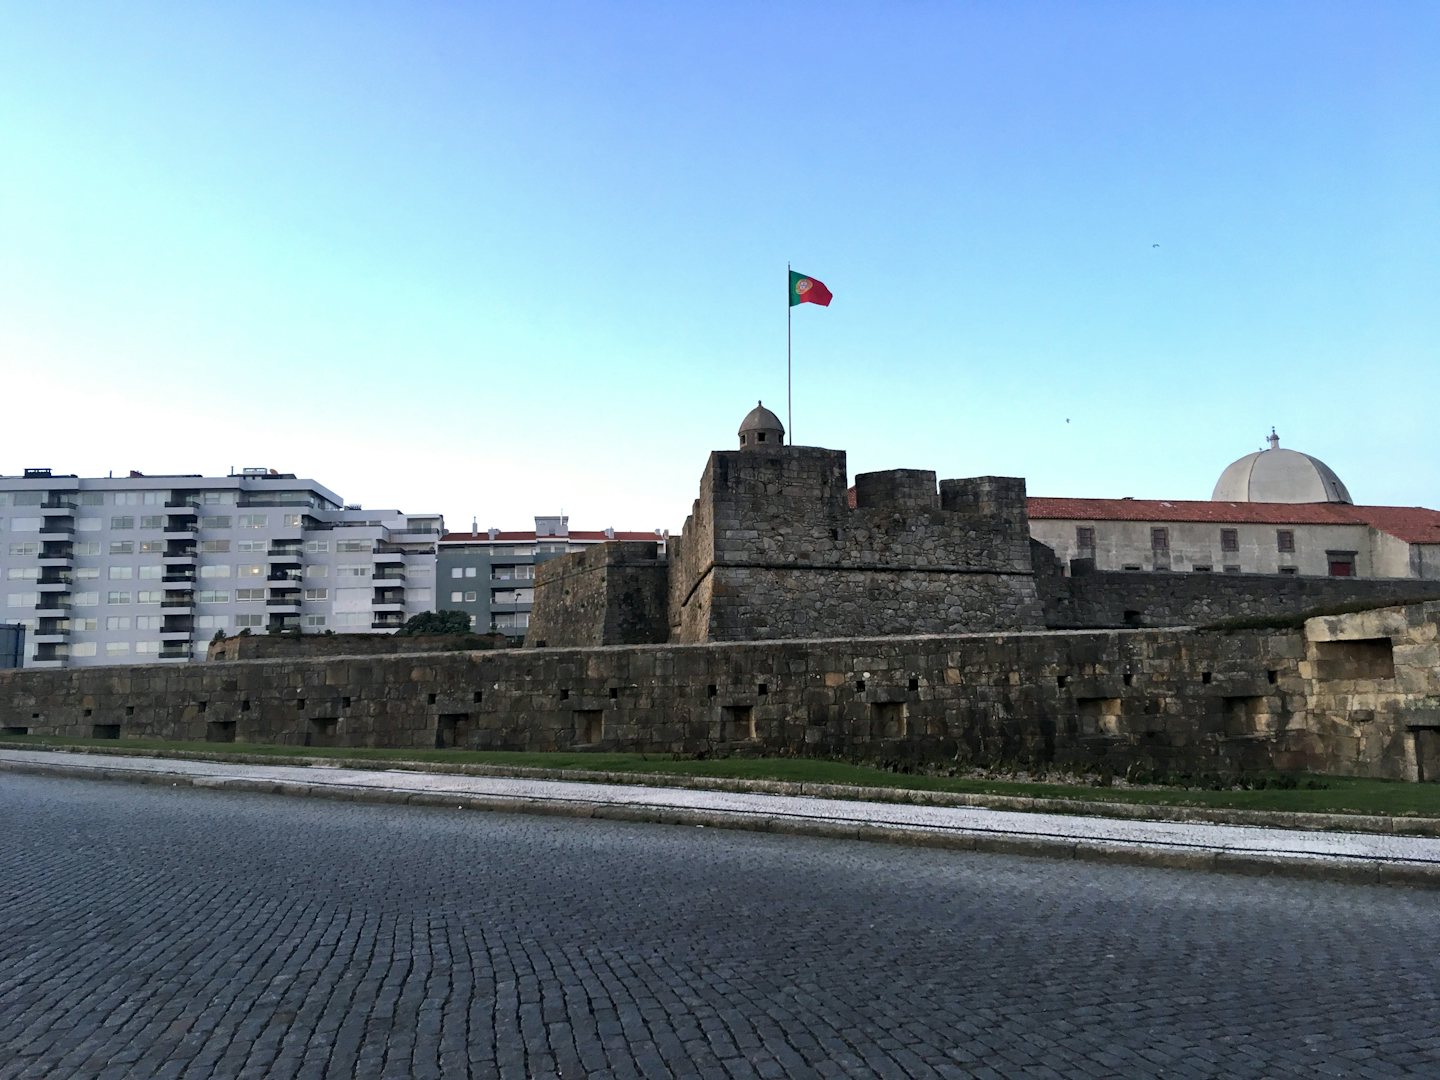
(737,723)
(589,726)
(14,729)
(105,731)
(452,730)
(220,731)
(320,731)
(888,720)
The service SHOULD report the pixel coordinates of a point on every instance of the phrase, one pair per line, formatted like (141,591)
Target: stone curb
(1343,870)
(1274,819)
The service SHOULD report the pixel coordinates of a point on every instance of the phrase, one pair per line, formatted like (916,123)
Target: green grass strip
(1339,795)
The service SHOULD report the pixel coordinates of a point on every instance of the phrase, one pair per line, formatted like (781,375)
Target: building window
(117,622)
(1284,540)
(92,498)
(211,622)
(147,646)
(457,571)
(215,521)
(87,573)
(24,524)
(83,648)
(122,547)
(215,547)
(86,599)
(314,620)
(317,547)
(213,596)
(1288,570)
(117,597)
(151,573)
(121,573)
(215,570)
(87,547)
(457,597)
(147,622)
(151,596)
(470,597)
(1085,537)
(152,521)
(292,521)
(248,570)
(1229,539)
(252,545)
(1159,540)
(352,545)
(1202,569)
(250,620)
(116,648)
(23,573)
(127,498)
(1342,563)
(249,596)
(151,547)
(126,522)
(317,594)
(24,549)
(254,521)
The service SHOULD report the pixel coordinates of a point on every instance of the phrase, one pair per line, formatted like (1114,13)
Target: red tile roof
(1412,524)
(576,535)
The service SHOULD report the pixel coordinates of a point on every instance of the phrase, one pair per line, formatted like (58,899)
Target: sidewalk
(1338,856)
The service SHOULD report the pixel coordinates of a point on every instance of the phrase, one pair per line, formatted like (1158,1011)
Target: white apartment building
(141,569)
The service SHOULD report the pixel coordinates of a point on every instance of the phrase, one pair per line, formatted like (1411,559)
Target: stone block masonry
(1176,701)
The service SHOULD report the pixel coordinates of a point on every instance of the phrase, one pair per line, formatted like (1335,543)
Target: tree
(436,622)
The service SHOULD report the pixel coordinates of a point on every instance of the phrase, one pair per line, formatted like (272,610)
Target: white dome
(1280,476)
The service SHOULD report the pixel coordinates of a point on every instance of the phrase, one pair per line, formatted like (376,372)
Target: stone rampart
(1108,598)
(296,646)
(612,593)
(1185,701)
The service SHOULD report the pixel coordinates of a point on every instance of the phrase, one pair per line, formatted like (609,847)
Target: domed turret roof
(761,427)
(1280,476)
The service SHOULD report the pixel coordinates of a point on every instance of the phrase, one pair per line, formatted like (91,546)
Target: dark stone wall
(295,646)
(1090,598)
(612,594)
(1173,700)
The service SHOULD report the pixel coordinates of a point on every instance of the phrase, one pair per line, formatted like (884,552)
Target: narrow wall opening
(1098,716)
(105,731)
(220,731)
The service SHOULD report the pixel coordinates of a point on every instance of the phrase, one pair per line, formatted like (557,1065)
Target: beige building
(1272,512)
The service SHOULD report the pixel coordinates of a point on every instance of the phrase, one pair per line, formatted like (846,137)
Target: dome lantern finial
(1274,439)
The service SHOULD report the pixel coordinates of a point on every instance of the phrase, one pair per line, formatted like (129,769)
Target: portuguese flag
(807,290)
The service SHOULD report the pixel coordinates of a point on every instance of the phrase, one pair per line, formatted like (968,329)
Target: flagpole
(789,420)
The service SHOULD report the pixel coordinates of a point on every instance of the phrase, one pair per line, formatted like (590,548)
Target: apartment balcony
(384,559)
(178,555)
(180,578)
(52,606)
(54,636)
(280,624)
(387,598)
(177,633)
(285,556)
(49,662)
(58,526)
(59,583)
(58,508)
(57,554)
(387,622)
(175,651)
(178,602)
(180,530)
(182,508)
(389,573)
(283,605)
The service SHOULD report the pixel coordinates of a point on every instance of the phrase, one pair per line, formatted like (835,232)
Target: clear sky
(498,260)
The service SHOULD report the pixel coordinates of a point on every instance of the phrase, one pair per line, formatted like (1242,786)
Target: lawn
(1338,795)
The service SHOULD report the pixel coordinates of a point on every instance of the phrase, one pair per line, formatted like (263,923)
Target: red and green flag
(808,290)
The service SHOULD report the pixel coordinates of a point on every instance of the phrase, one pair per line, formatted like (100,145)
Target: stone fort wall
(1352,695)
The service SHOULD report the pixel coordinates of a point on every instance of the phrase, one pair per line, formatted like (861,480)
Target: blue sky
(505,259)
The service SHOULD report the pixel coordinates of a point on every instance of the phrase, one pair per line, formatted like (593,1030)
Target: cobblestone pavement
(151,932)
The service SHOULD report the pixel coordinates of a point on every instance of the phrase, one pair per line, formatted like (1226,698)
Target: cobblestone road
(154,933)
